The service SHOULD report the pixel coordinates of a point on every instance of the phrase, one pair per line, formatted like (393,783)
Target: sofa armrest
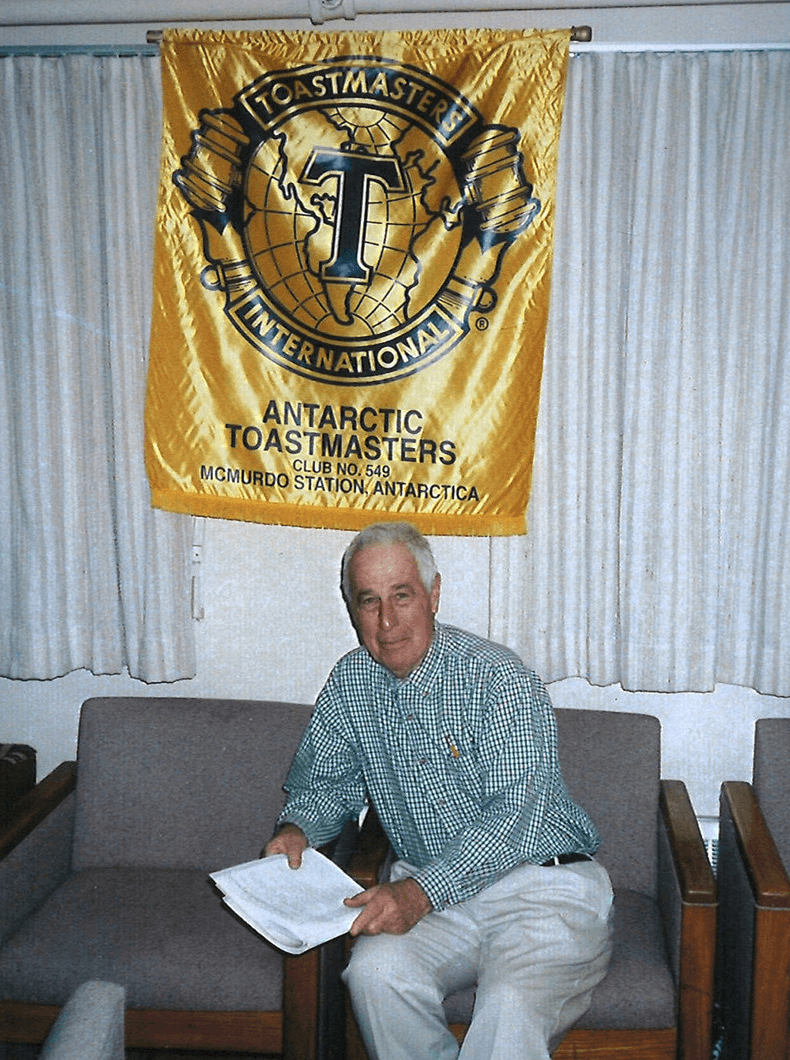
(36,805)
(767,876)
(692,865)
(90,1025)
(689,902)
(36,847)
(754,931)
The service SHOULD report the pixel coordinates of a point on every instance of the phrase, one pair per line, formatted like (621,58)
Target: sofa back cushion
(772,779)
(612,766)
(181,783)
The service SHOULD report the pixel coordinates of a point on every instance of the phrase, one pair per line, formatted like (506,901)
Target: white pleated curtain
(91,577)
(657,556)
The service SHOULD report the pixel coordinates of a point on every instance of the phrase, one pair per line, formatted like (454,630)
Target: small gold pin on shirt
(453,749)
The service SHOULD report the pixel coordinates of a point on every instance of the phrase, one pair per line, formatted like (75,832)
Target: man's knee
(373,964)
(386,965)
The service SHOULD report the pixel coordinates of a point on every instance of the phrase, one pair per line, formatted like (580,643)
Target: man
(453,740)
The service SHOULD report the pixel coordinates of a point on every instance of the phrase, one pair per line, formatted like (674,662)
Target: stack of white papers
(295,909)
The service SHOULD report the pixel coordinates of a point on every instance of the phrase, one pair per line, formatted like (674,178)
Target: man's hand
(389,908)
(291,841)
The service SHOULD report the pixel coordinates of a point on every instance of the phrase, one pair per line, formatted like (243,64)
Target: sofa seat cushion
(638,991)
(164,934)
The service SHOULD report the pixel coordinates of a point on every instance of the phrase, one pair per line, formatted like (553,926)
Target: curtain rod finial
(581,34)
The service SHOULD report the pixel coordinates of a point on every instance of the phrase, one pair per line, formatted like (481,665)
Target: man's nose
(387,616)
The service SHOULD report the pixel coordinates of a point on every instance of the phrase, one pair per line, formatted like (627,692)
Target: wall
(274,620)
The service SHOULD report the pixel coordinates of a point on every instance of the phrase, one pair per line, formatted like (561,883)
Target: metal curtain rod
(579,35)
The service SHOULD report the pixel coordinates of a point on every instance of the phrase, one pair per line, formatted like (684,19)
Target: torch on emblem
(354,215)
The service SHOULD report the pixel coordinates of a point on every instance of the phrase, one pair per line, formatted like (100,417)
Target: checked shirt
(459,760)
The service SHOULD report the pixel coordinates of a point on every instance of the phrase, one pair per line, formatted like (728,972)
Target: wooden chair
(753,965)
(656,1000)
(103,872)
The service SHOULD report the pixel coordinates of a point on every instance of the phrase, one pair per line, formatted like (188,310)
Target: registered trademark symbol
(481,323)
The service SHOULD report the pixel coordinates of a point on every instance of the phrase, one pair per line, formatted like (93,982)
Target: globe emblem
(291,221)
(352,235)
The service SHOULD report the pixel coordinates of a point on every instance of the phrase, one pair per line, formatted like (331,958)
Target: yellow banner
(351,276)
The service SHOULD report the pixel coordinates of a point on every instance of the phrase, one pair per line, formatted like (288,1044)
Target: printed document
(295,909)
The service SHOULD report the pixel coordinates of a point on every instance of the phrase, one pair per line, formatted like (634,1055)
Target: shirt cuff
(439,886)
(306,827)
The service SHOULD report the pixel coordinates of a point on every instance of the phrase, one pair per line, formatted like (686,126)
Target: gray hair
(390,534)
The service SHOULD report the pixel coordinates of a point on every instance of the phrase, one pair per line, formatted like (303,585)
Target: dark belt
(566,859)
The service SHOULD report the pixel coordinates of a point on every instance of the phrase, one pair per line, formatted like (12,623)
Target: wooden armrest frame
(768,1000)
(37,804)
(313,1009)
(697,918)
(767,875)
(693,868)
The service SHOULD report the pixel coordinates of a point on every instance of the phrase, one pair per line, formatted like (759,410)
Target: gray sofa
(106,878)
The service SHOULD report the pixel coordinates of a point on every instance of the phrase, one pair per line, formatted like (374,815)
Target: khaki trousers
(536,942)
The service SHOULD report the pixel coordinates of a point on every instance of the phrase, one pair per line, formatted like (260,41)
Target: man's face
(392,609)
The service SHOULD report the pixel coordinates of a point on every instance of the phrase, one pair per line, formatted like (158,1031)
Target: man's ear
(436,592)
(352,615)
